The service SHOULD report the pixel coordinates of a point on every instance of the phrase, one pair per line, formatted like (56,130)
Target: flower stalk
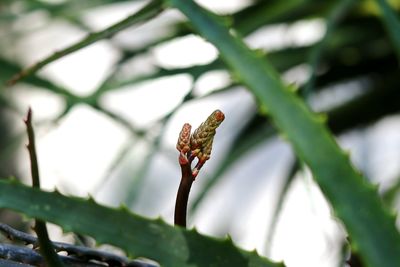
(198,145)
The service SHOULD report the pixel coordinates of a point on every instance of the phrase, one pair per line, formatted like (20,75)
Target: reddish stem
(183,194)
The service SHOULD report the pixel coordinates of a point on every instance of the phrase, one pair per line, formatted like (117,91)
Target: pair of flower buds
(199,144)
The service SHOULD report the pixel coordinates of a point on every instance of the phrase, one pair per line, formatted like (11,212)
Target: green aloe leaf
(138,236)
(355,201)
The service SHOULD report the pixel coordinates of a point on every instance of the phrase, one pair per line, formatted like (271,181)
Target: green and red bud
(199,144)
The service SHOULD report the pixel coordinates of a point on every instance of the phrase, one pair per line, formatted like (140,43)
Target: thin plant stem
(46,248)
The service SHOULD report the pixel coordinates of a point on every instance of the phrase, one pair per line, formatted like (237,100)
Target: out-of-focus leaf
(264,13)
(150,10)
(194,71)
(392,22)
(8,69)
(380,101)
(338,11)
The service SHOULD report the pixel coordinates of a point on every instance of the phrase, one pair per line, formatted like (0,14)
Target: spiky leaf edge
(355,201)
(136,235)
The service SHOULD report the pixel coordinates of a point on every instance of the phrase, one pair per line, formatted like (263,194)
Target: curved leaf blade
(355,201)
(140,237)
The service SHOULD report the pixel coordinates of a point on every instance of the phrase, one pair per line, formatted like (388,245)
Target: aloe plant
(352,28)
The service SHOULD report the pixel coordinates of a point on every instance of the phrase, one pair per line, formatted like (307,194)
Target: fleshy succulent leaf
(138,236)
(368,223)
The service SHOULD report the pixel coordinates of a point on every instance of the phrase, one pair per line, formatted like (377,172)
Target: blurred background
(107,117)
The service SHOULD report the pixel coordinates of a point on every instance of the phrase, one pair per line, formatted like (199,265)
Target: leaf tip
(57,192)
(91,199)
(159,219)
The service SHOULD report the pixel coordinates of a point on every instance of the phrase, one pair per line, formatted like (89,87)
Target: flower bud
(183,144)
(206,130)
(206,152)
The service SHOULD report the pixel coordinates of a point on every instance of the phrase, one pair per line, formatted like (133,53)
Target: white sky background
(75,154)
